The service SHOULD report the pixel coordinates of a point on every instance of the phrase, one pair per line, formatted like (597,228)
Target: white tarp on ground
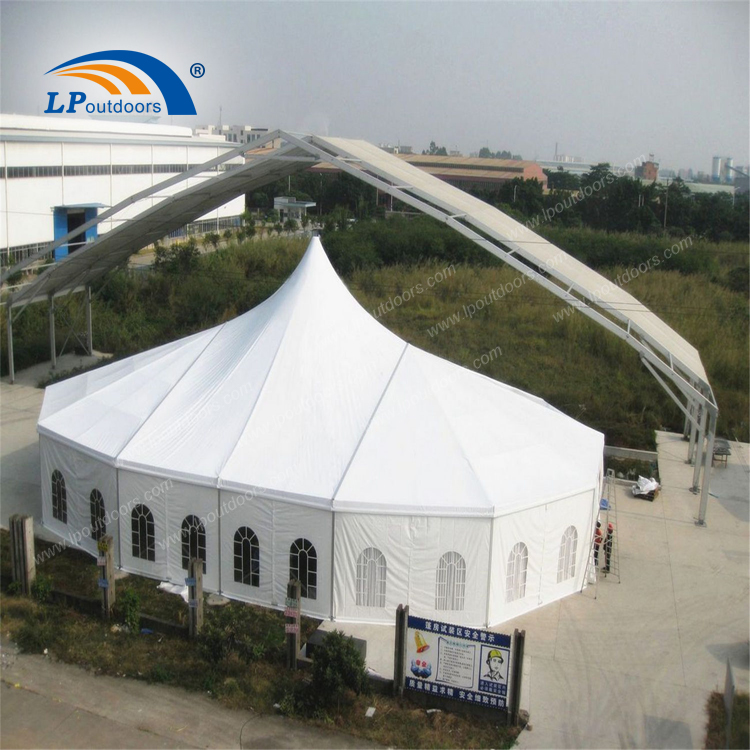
(306,400)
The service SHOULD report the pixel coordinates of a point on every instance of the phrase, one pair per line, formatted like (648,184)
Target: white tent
(303,438)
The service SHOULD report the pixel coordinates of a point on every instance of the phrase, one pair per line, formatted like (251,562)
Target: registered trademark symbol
(197,70)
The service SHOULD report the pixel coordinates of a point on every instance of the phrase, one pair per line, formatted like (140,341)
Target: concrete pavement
(634,667)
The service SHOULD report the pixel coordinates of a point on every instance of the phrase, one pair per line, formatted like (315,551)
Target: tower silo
(716,169)
(728,171)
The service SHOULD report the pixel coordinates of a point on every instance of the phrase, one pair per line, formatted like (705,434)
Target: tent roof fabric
(308,398)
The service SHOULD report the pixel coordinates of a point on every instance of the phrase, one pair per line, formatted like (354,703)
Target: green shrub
(41,588)
(129,605)
(14,588)
(211,238)
(337,667)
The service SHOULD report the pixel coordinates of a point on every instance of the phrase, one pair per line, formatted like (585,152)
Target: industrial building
(232,133)
(466,172)
(59,172)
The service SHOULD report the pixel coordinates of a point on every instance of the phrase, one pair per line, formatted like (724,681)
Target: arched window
(566,562)
(193,541)
(98,524)
(59,497)
(371,569)
(142,528)
(246,557)
(450,583)
(303,565)
(515,578)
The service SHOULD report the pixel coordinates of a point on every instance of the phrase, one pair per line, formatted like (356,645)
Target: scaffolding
(604,553)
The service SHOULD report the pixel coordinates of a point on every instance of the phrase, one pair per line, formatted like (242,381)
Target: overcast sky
(607,81)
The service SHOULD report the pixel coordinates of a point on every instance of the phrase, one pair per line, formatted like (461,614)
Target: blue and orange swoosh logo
(176,96)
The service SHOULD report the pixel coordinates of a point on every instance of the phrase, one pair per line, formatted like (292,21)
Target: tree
(211,238)
(337,666)
(485,153)
(526,196)
(559,179)
(434,150)
(290,225)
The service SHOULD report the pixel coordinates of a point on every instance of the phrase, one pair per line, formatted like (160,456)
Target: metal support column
(707,464)
(89,334)
(52,345)
(699,450)
(693,431)
(687,426)
(11,362)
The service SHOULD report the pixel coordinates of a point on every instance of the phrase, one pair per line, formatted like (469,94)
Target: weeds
(129,605)
(716,736)
(41,588)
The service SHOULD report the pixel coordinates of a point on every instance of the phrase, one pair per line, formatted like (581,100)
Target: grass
(716,736)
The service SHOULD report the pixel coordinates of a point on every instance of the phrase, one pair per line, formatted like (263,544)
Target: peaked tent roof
(308,398)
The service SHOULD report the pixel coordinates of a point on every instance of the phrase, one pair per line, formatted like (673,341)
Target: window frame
(59,497)
(450,582)
(193,538)
(98,514)
(303,547)
(566,561)
(517,573)
(246,541)
(142,515)
(371,578)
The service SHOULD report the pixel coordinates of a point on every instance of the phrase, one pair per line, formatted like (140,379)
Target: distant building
(396,149)
(57,173)
(565,159)
(729,170)
(695,187)
(716,169)
(741,181)
(648,171)
(290,208)
(233,133)
(467,172)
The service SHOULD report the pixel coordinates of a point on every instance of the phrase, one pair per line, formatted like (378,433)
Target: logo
(176,97)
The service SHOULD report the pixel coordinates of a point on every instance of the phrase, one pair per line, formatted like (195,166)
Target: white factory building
(59,172)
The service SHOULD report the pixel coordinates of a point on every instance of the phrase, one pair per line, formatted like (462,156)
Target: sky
(606,81)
